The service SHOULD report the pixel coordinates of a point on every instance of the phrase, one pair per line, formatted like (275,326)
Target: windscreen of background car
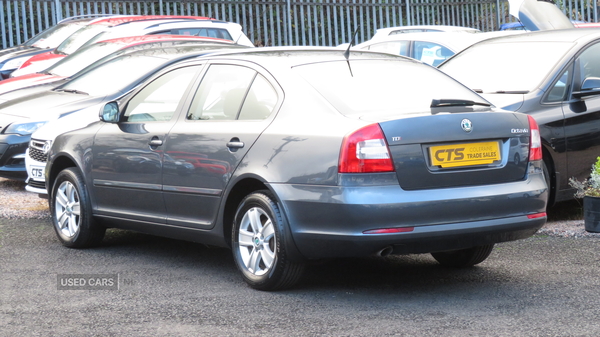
(82,58)
(510,66)
(114,75)
(382,86)
(53,36)
(77,39)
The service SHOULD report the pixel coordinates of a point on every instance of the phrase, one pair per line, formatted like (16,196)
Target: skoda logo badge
(466,125)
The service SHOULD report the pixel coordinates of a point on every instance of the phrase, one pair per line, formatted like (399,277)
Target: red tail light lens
(365,151)
(536,215)
(389,230)
(535,142)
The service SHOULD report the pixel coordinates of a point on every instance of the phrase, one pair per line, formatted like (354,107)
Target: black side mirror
(110,113)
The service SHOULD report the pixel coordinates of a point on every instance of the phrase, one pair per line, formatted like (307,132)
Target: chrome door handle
(235,145)
(156,142)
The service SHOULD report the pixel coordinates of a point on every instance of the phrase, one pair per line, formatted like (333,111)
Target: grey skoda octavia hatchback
(287,155)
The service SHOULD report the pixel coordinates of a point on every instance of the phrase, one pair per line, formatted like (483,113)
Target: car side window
(431,53)
(559,90)
(393,47)
(158,101)
(221,93)
(588,64)
(260,100)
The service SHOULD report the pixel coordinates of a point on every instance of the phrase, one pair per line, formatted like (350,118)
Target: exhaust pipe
(385,251)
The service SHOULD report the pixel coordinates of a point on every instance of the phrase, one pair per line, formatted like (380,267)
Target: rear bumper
(424,239)
(330,221)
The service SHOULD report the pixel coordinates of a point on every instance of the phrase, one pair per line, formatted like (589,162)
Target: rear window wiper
(479,91)
(72,91)
(437,103)
(512,92)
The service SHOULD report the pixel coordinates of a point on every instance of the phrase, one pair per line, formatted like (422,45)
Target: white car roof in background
(148,26)
(455,41)
(384,32)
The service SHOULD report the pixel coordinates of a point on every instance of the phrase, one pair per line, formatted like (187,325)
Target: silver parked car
(292,154)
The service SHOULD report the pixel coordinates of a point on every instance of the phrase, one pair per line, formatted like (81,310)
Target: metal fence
(283,22)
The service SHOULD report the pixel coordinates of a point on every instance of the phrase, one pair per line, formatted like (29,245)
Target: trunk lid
(458,149)
(539,15)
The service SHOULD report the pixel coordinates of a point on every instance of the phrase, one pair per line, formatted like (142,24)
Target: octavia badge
(466,125)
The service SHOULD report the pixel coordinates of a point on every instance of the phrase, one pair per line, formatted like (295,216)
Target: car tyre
(463,257)
(258,246)
(72,211)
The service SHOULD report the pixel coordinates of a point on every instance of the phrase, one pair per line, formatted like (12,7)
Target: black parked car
(554,76)
(287,155)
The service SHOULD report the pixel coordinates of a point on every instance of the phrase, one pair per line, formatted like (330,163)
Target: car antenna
(347,52)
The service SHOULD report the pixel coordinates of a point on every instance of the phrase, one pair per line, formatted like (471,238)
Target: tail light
(365,151)
(535,142)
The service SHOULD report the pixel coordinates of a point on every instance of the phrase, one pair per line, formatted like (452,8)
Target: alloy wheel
(257,241)
(67,209)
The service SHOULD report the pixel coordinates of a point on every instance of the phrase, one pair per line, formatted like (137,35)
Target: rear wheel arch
(236,194)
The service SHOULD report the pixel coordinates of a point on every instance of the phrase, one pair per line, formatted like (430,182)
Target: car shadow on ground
(366,273)
(566,211)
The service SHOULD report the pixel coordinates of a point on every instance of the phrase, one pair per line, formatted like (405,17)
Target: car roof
(559,35)
(168,52)
(427,28)
(132,40)
(295,56)
(118,20)
(455,41)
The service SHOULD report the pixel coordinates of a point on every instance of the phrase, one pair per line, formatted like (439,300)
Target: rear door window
(260,100)
(221,93)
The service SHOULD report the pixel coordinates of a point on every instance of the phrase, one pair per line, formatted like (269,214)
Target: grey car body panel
(410,153)
(352,210)
(297,160)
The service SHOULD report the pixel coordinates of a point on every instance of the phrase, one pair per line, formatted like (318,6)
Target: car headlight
(15,63)
(23,129)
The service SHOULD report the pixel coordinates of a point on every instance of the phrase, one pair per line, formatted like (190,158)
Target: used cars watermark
(87,282)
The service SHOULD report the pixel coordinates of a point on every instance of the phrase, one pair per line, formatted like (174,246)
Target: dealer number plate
(469,154)
(36,172)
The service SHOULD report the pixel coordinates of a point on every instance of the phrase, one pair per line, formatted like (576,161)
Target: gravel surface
(16,203)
